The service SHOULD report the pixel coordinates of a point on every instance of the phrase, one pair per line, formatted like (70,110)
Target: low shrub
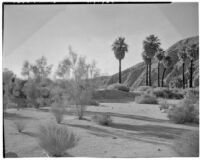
(103,119)
(146,98)
(184,112)
(56,139)
(143,88)
(120,87)
(58,110)
(188,144)
(20,126)
(164,106)
(93,103)
(192,95)
(167,93)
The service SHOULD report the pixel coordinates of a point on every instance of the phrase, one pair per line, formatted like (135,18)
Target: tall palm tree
(147,62)
(192,53)
(167,63)
(183,57)
(151,45)
(159,57)
(120,48)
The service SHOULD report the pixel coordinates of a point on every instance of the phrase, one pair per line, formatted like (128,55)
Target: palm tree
(120,48)
(192,53)
(167,63)
(147,62)
(151,45)
(183,57)
(159,56)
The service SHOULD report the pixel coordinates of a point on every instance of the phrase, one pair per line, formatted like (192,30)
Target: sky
(32,31)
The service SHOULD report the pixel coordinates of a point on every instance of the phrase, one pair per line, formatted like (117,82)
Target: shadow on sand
(15,116)
(143,133)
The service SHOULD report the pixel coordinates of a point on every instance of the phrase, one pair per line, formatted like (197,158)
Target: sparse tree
(151,45)
(192,53)
(41,69)
(159,56)
(147,61)
(120,48)
(183,57)
(64,68)
(167,63)
(26,69)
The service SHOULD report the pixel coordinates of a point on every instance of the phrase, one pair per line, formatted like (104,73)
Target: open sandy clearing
(137,131)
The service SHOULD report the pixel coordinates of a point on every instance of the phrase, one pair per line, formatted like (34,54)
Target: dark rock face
(135,76)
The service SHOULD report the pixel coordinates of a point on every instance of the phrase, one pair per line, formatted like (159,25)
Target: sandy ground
(137,130)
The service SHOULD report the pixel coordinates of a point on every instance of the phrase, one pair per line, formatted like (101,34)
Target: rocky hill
(135,76)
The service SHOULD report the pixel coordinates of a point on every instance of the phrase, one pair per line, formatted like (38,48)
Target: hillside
(135,76)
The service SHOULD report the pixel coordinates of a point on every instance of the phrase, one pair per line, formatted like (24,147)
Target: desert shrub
(118,86)
(102,119)
(187,145)
(56,139)
(143,88)
(192,95)
(196,82)
(93,103)
(20,126)
(167,93)
(57,109)
(164,106)
(176,82)
(146,98)
(184,112)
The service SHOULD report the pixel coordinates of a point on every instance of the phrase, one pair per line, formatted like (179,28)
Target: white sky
(31,31)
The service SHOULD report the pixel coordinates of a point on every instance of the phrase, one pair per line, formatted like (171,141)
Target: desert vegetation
(75,104)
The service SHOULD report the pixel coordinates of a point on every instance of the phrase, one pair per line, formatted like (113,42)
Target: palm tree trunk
(147,74)
(158,74)
(120,80)
(183,75)
(150,73)
(191,72)
(163,75)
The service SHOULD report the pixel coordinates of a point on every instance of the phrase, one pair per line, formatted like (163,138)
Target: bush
(143,88)
(196,82)
(58,110)
(93,103)
(167,93)
(184,112)
(192,95)
(188,144)
(20,126)
(176,83)
(56,139)
(103,119)
(164,106)
(118,86)
(146,98)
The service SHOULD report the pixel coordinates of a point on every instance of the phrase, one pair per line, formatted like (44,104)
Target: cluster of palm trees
(151,46)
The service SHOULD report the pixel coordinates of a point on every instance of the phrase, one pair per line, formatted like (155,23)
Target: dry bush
(188,144)
(20,126)
(192,95)
(164,106)
(184,112)
(118,86)
(56,139)
(143,88)
(167,93)
(58,111)
(102,119)
(146,98)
